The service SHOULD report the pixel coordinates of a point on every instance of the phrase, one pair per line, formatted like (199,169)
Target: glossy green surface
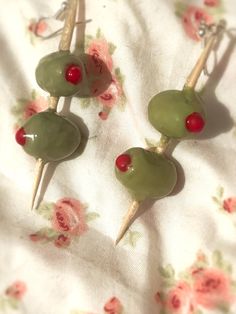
(50,74)
(50,136)
(150,176)
(167,111)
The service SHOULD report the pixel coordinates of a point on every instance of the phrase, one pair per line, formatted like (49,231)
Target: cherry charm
(123,162)
(73,74)
(21,137)
(194,122)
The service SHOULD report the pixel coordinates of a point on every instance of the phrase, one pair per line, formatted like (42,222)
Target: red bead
(195,122)
(73,74)
(20,136)
(123,162)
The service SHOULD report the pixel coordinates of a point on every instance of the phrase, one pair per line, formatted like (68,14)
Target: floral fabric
(179,256)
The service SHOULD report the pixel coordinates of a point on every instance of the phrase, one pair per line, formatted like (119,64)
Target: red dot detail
(195,122)
(123,162)
(73,74)
(21,136)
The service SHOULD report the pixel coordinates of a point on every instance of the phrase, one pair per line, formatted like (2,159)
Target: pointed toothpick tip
(120,236)
(38,176)
(127,221)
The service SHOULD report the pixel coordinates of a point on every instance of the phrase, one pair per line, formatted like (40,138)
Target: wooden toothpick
(64,45)
(127,220)
(193,77)
(38,175)
(69,25)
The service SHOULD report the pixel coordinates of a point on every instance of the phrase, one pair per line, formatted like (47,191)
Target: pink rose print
(110,97)
(159,298)
(26,107)
(211,288)
(201,257)
(180,299)
(16,290)
(208,284)
(224,204)
(62,241)
(35,106)
(229,204)
(211,3)
(37,28)
(36,237)
(104,81)
(99,50)
(69,217)
(103,115)
(191,20)
(113,306)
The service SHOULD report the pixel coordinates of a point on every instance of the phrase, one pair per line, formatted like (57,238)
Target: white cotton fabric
(154,54)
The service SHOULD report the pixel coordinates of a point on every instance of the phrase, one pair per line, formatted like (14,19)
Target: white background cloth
(153,53)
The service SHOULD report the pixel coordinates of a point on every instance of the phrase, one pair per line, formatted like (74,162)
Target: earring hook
(205,31)
(57,32)
(212,34)
(59,16)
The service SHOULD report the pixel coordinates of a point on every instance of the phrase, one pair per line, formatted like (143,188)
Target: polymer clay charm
(176,114)
(49,136)
(61,74)
(146,174)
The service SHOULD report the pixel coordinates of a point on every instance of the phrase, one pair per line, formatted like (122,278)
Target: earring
(58,16)
(176,114)
(49,136)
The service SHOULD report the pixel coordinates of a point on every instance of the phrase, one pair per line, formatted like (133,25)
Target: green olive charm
(61,74)
(177,114)
(146,174)
(49,136)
